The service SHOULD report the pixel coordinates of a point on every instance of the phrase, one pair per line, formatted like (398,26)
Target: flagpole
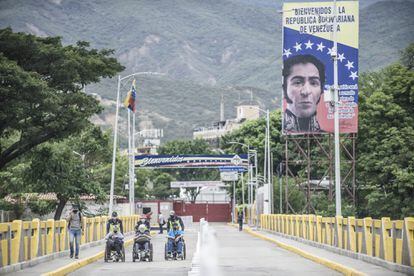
(111,193)
(133,163)
(129,160)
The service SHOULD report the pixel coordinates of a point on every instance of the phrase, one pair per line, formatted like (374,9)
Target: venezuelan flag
(130,98)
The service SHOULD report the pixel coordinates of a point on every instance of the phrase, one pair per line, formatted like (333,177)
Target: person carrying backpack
(75,229)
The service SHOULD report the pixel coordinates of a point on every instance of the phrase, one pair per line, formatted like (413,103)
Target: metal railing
(22,241)
(390,240)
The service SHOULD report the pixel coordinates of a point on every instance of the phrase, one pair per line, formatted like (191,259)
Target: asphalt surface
(242,254)
(159,266)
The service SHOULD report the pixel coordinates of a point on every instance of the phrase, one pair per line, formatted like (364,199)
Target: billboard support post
(336,119)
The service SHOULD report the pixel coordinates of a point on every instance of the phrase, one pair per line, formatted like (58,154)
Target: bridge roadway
(238,253)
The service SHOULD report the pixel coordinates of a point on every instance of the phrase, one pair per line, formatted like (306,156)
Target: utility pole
(336,118)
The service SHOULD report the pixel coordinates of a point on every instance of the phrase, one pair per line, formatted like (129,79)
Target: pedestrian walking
(74,221)
(161,221)
(240,219)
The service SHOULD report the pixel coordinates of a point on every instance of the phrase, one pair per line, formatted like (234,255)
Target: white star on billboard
(320,47)
(349,65)
(353,75)
(309,44)
(298,46)
(331,51)
(287,52)
(341,57)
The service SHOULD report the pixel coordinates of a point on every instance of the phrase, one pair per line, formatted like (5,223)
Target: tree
(197,146)
(41,96)
(385,148)
(58,168)
(252,133)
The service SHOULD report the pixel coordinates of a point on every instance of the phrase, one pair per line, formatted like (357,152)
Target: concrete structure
(212,134)
(149,140)
(210,194)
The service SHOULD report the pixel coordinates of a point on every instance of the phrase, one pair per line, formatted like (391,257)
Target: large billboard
(308,67)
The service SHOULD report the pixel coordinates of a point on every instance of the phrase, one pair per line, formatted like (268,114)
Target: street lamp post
(336,119)
(111,193)
(251,154)
(267,166)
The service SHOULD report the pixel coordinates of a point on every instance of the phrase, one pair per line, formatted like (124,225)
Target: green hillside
(204,48)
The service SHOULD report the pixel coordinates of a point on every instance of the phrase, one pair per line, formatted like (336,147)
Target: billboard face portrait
(308,67)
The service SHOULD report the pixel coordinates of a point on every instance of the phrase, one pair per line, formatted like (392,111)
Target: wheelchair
(112,255)
(141,254)
(174,254)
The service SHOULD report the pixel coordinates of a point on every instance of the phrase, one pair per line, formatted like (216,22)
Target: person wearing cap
(115,239)
(143,220)
(174,219)
(114,220)
(74,221)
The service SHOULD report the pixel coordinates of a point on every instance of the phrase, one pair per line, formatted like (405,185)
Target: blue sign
(232,169)
(191,161)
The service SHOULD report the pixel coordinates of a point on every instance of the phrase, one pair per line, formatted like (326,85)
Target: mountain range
(203,48)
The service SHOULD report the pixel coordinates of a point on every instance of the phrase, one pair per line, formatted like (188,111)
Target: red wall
(219,212)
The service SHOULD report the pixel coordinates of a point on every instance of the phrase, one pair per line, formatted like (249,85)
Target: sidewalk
(59,262)
(359,265)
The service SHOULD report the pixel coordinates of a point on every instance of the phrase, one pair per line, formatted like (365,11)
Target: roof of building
(52,197)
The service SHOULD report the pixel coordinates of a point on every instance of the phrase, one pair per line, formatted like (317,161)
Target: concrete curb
(369,259)
(43,259)
(330,264)
(83,262)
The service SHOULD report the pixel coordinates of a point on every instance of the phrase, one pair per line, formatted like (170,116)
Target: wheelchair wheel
(165,252)
(123,253)
(106,253)
(151,253)
(184,251)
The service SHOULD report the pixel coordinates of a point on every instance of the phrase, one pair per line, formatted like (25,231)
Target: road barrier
(390,240)
(22,241)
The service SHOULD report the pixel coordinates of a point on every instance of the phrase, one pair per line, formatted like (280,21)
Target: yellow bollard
(351,240)
(376,232)
(26,233)
(367,237)
(408,242)
(16,231)
(98,228)
(50,235)
(359,235)
(311,219)
(386,240)
(318,227)
(62,237)
(35,238)
(338,231)
(398,226)
(4,243)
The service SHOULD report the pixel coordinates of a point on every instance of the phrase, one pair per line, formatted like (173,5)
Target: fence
(26,240)
(390,240)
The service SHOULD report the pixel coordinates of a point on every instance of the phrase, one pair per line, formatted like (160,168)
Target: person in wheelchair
(143,221)
(142,238)
(115,241)
(175,241)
